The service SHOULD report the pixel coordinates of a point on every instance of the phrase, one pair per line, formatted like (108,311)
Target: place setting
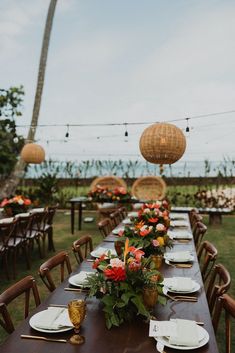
(181,259)
(79,281)
(177,288)
(102,251)
(180,334)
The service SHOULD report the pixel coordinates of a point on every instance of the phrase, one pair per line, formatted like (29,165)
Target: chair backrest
(194,217)
(149,188)
(218,284)
(105,227)
(25,286)
(111,182)
(37,222)
(123,211)
(82,248)
(60,260)
(50,214)
(23,225)
(207,255)
(116,218)
(198,233)
(227,304)
(7,231)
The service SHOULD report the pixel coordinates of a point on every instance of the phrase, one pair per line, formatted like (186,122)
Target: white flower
(146,227)
(117,263)
(146,210)
(160,227)
(20,202)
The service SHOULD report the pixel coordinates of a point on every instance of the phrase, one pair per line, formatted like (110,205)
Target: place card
(162,328)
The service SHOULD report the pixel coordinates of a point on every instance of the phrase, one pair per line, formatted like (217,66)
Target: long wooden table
(129,337)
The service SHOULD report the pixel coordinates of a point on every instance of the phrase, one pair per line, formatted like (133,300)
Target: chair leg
(51,246)
(5,263)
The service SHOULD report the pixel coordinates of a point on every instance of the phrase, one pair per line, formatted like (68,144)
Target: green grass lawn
(223,237)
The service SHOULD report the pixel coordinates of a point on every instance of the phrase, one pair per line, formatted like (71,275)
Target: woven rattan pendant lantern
(33,153)
(162,143)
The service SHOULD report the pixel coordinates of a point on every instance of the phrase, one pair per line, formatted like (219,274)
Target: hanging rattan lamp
(33,153)
(162,143)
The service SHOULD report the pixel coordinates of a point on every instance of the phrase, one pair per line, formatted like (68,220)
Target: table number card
(161,328)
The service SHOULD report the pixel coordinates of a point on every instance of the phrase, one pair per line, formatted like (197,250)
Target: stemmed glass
(77,313)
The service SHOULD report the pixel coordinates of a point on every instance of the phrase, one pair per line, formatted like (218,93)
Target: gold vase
(157,260)
(150,296)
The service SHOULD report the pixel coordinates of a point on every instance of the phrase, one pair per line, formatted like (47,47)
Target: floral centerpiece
(120,283)
(120,194)
(15,205)
(149,231)
(100,193)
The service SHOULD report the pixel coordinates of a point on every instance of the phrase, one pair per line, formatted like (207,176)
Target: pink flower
(155,243)
(160,227)
(117,263)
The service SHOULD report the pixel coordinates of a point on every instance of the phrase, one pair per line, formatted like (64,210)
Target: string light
(67,133)
(187,127)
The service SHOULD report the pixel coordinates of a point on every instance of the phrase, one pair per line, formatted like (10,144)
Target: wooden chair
(149,188)
(25,286)
(60,260)
(7,228)
(207,255)
(123,212)
(82,248)
(116,218)
(35,232)
(218,284)
(194,217)
(227,304)
(47,226)
(105,227)
(198,233)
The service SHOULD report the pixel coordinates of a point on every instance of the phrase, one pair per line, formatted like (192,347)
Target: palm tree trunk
(11,183)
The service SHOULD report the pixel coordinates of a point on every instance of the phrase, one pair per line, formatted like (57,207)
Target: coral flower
(153,220)
(115,273)
(139,225)
(136,252)
(145,230)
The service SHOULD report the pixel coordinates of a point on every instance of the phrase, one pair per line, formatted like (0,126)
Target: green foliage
(10,142)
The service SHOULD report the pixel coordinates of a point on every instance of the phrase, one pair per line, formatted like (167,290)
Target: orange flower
(136,252)
(139,225)
(145,230)
(153,220)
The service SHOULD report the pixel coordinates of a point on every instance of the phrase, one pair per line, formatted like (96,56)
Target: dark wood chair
(82,248)
(7,228)
(60,260)
(219,283)
(207,255)
(194,217)
(226,304)
(47,226)
(35,232)
(116,218)
(198,233)
(123,212)
(25,286)
(105,227)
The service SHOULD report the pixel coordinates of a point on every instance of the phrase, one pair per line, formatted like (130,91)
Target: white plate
(133,214)
(196,287)
(100,251)
(117,230)
(203,339)
(36,318)
(190,258)
(72,280)
(179,223)
(127,221)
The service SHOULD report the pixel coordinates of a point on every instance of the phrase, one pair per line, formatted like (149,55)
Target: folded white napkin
(178,216)
(6,220)
(133,214)
(81,277)
(179,223)
(34,210)
(179,234)
(179,256)
(53,319)
(117,230)
(127,221)
(26,214)
(100,251)
(179,284)
(186,333)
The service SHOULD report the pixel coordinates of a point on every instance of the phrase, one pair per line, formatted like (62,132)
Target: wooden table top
(129,337)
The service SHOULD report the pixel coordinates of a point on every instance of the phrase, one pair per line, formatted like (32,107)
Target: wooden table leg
(79,215)
(72,217)
(215,218)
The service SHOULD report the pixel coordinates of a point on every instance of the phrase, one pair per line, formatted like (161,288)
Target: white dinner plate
(196,287)
(117,230)
(73,281)
(203,339)
(127,221)
(36,318)
(189,259)
(100,251)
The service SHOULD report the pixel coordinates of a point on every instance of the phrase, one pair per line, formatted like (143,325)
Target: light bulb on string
(187,127)
(126,133)
(67,132)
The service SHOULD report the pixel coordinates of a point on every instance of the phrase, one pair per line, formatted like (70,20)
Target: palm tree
(14,179)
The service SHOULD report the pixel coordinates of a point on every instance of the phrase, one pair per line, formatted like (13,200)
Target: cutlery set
(44,338)
(184,298)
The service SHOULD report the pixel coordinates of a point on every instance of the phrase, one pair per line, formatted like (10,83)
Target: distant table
(77,201)
(215,214)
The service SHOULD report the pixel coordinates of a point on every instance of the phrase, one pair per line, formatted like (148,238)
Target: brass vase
(150,296)
(157,260)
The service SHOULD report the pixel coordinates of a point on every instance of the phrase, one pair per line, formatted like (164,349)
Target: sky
(126,61)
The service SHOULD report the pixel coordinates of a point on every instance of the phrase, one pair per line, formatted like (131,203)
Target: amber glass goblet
(77,313)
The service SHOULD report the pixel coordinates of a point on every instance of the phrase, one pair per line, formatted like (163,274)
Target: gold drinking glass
(77,313)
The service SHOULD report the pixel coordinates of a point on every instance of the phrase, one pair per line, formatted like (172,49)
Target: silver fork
(160,347)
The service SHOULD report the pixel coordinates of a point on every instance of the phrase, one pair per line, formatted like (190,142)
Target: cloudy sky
(126,61)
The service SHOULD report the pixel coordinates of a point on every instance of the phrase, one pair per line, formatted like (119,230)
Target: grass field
(223,237)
